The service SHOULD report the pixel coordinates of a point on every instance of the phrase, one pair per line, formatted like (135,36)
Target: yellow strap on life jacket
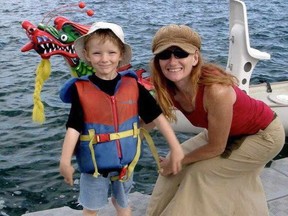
(151,145)
(112,136)
(135,132)
(94,139)
(91,143)
(132,165)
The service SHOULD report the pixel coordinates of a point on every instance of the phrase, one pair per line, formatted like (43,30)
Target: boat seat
(242,57)
(281,99)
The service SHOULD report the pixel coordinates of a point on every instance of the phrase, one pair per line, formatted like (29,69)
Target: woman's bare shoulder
(218,93)
(219,90)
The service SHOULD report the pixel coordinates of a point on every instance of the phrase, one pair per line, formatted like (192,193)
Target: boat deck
(274,178)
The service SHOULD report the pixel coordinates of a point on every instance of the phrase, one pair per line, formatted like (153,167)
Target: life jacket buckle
(123,173)
(102,138)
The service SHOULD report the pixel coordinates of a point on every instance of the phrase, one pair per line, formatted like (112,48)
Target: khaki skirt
(220,186)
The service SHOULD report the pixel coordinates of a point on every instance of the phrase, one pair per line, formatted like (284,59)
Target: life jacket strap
(92,135)
(152,146)
(127,170)
(99,138)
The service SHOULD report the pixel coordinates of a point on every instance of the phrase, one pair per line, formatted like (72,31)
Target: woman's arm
(218,102)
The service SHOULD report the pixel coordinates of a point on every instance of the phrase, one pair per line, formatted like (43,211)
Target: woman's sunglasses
(178,53)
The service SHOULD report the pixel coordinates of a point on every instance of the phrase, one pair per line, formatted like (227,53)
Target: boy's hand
(173,163)
(165,168)
(67,170)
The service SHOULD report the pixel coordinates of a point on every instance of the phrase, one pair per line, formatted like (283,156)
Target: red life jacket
(111,126)
(110,138)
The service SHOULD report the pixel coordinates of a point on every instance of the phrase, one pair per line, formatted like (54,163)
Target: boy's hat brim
(116,29)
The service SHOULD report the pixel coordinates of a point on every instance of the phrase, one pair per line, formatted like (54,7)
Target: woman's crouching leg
(163,192)
(166,188)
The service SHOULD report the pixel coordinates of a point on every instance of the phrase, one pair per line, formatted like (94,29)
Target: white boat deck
(275,181)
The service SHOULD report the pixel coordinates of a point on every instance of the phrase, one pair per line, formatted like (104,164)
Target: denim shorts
(94,192)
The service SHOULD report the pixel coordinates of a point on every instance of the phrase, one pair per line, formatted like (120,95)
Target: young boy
(105,109)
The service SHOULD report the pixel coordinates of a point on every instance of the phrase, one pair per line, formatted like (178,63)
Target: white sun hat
(116,29)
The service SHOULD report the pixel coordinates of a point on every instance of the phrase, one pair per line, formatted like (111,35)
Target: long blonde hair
(201,74)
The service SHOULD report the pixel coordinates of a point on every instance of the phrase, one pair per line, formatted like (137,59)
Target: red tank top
(249,115)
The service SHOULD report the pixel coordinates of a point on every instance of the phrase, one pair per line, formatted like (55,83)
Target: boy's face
(104,57)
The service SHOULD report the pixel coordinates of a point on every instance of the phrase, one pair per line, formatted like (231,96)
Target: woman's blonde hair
(201,74)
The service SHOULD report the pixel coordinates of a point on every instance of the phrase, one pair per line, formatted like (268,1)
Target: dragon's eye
(63,38)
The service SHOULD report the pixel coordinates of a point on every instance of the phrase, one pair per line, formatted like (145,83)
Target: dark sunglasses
(178,53)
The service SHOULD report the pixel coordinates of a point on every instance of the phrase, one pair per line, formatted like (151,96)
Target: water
(29,153)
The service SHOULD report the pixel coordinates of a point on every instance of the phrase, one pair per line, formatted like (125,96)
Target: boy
(107,104)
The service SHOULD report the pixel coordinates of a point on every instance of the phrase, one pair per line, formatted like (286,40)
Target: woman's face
(175,66)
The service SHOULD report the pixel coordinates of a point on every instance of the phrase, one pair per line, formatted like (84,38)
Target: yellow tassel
(43,72)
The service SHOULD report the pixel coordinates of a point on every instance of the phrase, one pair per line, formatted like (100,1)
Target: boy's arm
(70,141)
(176,152)
(150,126)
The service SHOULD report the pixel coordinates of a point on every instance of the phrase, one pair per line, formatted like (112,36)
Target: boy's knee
(87,212)
(121,211)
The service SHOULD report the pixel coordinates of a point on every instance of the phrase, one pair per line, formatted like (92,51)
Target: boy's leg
(93,193)
(119,198)
(87,212)
(121,211)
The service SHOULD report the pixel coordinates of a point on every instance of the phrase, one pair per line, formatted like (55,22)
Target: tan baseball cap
(176,35)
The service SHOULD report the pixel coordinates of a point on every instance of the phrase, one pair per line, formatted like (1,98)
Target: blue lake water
(29,153)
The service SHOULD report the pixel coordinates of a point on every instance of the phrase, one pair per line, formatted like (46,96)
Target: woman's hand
(67,171)
(175,159)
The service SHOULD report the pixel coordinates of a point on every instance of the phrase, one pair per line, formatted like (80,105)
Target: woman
(222,164)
